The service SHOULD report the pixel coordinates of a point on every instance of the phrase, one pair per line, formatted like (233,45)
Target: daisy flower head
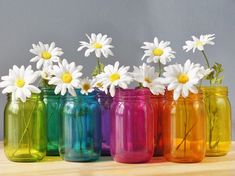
(198,43)
(46,72)
(100,44)
(158,51)
(182,79)
(86,85)
(114,76)
(98,84)
(147,76)
(19,82)
(45,54)
(66,77)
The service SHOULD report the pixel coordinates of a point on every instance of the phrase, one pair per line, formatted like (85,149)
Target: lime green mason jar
(218,120)
(25,129)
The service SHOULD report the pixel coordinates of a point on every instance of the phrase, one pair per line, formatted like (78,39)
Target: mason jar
(132,132)
(105,101)
(184,132)
(52,105)
(80,128)
(25,129)
(219,130)
(158,101)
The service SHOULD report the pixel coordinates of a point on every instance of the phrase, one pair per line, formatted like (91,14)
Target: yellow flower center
(97,45)
(158,52)
(99,85)
(86,87)
(46,55)
(183,78)
(67,77)
(114,77)
(147,80)
(199,43)
(20,83)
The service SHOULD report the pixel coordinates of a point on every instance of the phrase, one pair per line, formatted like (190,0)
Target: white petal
(112,90)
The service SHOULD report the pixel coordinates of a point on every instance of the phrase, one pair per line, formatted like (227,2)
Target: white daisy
(46,73)
(86,85)
(66,77)
(45,54)
(19,82)
(100,44)
(98,84)
(182,79)
(147,76)
(114,76)
(158,51)
(198,43)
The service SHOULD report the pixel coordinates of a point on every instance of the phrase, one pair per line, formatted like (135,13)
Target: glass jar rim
(214,88)
(191,96)
(79,94)
(132,93)
(34,96)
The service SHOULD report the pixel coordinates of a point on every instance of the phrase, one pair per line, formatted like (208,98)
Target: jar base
(105,151)
(52,153)
(26,157)
(216,153)
(137,157)
(184,160)
(158,153)
(79,156)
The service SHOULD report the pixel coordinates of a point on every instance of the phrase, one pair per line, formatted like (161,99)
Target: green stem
(207,61)
(212,122)
(25,131)
(185,125)
(186,133)
(98,63)
(159,68)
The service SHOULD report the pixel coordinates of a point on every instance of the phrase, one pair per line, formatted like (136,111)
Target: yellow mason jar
(218,120)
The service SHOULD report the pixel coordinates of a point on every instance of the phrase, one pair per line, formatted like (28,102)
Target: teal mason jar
(25,129)
(80,128)
(52,106)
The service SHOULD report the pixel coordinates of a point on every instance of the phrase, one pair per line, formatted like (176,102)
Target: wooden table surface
(220,166)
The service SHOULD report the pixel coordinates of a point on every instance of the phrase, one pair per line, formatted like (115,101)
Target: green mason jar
(25,129)
(52,104)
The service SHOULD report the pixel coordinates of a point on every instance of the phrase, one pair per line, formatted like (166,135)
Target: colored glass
(218,110)
(52,104)
(132,133)
(24,129)
(80,128)
(157,101)
(105,104)
(184,131)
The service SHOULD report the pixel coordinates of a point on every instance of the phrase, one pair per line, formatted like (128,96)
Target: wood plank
(224,165)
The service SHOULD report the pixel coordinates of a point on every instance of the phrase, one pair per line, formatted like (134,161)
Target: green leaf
(215,77)
(98,69)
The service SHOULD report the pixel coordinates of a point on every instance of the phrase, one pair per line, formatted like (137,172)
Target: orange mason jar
(184,133)
(157,102)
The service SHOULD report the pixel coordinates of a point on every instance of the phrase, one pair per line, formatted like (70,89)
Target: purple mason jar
(132,126)
(105,101)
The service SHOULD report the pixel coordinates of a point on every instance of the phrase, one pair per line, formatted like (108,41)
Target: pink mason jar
(132,126)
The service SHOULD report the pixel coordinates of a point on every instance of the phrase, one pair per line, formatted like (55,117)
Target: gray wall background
(128,22)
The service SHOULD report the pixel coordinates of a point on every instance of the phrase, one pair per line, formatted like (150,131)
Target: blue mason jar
(80,128)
